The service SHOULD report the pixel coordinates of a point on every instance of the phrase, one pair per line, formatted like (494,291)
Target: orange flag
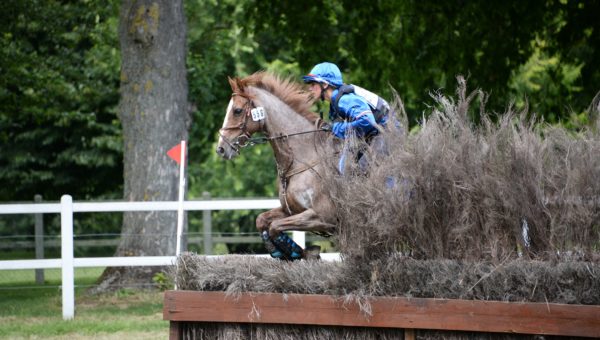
(175,153)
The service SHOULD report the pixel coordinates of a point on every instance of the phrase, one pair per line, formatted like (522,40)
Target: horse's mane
(287,90)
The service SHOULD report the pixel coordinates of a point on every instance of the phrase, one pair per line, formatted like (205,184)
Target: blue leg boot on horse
(284,248)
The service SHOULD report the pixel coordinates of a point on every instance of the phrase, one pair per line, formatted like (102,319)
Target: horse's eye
(237,111)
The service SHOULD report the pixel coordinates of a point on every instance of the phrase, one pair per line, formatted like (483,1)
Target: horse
(279,108)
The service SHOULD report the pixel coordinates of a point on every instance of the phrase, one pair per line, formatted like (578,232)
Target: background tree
(59,132)
(154,112)
(420,46)
(58,66)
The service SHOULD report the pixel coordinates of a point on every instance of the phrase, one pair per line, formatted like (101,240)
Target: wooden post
(409,334)
(174,330)
(207,224)
(39,241)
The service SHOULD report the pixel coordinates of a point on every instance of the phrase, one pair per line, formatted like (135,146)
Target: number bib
(258,113)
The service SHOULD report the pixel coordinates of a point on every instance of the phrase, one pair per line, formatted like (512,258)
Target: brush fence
(189,307)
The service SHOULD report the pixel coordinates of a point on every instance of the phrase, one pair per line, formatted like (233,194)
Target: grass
(30,311)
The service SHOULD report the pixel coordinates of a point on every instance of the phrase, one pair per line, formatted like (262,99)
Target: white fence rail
(68,262)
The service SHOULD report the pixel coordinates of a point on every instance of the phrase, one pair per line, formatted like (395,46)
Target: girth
(284,177)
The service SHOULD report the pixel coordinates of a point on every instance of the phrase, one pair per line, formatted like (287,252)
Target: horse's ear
(232,83)
(236,84)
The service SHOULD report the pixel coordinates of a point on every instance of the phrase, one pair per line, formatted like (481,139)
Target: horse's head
(239,125)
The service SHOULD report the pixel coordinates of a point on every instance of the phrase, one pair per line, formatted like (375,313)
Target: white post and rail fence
(68,261)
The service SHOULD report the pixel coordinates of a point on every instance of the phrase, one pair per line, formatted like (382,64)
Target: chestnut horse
(280,110)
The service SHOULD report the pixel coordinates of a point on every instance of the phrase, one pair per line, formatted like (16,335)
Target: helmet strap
(322,92)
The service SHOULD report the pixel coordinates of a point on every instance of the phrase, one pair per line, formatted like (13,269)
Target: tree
(420,46)
(572,37)
(59,132)
(58,92)
(154,113)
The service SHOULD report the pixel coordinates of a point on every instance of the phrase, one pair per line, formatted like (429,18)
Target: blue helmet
(326,73)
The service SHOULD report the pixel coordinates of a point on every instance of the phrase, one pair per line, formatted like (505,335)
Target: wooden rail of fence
(387,312)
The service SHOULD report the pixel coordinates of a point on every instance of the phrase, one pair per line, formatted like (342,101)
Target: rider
(351,108)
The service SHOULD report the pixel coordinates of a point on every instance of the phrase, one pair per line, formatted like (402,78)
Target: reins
(264,139)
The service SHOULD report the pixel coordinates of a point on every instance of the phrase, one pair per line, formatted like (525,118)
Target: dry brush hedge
(516,281)
(466,191)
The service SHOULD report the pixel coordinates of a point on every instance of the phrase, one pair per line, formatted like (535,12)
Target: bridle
(242,140)
(246,139)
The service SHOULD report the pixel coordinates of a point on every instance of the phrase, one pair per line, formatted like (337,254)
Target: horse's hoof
(312,253)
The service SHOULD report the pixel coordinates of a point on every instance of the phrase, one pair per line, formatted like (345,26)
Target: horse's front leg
(308,220)
(264,220)
(263,224)
(278,244)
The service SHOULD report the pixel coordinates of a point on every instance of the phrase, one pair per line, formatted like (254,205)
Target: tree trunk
(154,113)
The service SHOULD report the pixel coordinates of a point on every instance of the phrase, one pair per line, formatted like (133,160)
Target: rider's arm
(358,114)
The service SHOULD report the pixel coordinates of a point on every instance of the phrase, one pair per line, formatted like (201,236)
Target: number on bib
(258,113)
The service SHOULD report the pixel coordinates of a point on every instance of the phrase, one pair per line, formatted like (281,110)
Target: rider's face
(315,88)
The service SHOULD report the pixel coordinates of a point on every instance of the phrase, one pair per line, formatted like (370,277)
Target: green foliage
(59,133)
(58,92)
(209,64)
(162,281)
(417,47)
(547,85)
(573,35)
(251,174)
(221,45)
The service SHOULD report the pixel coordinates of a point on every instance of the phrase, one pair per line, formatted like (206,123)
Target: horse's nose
(220,151)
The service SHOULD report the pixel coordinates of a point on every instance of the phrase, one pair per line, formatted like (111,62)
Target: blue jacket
(354,114)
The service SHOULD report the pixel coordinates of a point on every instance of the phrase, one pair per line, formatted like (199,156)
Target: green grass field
(30,311)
